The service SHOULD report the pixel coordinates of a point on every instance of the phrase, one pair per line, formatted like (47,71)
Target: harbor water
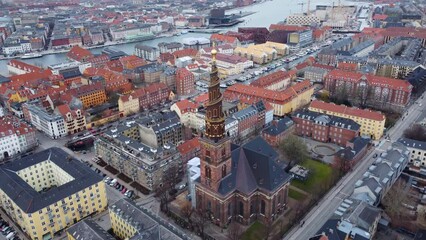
(266,13)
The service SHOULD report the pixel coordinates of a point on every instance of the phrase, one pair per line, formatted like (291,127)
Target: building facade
(232,187)
(15,137)
(185,83)
(64,192)
(325,128)
(372,123)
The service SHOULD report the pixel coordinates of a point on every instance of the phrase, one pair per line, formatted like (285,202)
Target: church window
(208,172)
(262,207)
(241,208)
(223,170)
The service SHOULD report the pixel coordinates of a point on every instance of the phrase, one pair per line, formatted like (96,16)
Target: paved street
(329,203)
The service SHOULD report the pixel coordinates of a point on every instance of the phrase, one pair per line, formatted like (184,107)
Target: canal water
(266,13)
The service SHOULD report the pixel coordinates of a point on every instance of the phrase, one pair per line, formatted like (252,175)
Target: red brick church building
(242,183)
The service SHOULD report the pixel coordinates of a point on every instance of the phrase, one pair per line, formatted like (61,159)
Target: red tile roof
(240,90)
(347,66)
(202,98)
(24,66)
(186,106)
(373,80)
(189,146)
(273,78)
(79,54)
(185,52)
(132,61)
(223,38)
(380,17)
(352,111)
(10,125)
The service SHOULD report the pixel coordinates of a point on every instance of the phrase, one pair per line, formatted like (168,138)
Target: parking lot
(18,233)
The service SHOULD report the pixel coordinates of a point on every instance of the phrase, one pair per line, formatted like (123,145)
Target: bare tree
(340,94)
(234,231)
(201,220)
(163,190)
(187,210)
(416,132)
(397,200)
(294,149)
(364,96)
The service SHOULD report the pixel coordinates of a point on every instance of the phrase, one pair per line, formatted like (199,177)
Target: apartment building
(74,120)
(87,229)
(277,130)
(283,102)
(132,222)
(15,137)
(160,129)
(381,175)
(185,83)
(42,119)
(275,81)
(369,90)
(49,191)
(147,52)
(123,149)
(90,95)
(325,128)
(144,98)
(372,123)
(417,150)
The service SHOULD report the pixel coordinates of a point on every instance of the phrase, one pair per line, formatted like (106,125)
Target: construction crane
(308,6)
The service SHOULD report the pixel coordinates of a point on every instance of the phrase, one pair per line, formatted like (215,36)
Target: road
(325,208)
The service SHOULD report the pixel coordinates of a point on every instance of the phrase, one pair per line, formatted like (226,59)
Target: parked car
(124,190)
(182,186)
(113,182)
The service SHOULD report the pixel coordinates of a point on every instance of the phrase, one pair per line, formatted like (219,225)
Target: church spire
(215,120)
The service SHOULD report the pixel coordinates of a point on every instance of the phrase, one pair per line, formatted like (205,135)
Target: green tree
(294,149)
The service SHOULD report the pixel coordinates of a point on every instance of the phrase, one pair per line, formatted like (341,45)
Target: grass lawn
(295,194)
(320,172)
(254,232)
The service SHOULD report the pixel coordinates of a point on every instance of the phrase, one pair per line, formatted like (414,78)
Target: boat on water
(184,32)
(31,55)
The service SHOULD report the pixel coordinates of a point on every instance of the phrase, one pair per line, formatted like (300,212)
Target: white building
(417,156)
(231,127)
(61,67)
(15,137)
(183,61)
(147,52)
(193,173)
(52,124)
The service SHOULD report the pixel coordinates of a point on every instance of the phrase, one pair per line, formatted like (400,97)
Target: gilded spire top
(214,52)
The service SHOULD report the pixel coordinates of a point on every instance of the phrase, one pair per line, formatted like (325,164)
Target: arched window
(241,208)
(208,172)
(262,207)
(252,208)
(223,170)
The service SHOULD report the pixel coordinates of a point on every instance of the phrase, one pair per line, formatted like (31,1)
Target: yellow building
(372,123)
(283,102)
(49,191)
(262,53)
(129,221)
(281,48)
(128,104)
(90,95)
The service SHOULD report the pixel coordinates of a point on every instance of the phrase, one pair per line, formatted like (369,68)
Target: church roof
(254,167)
